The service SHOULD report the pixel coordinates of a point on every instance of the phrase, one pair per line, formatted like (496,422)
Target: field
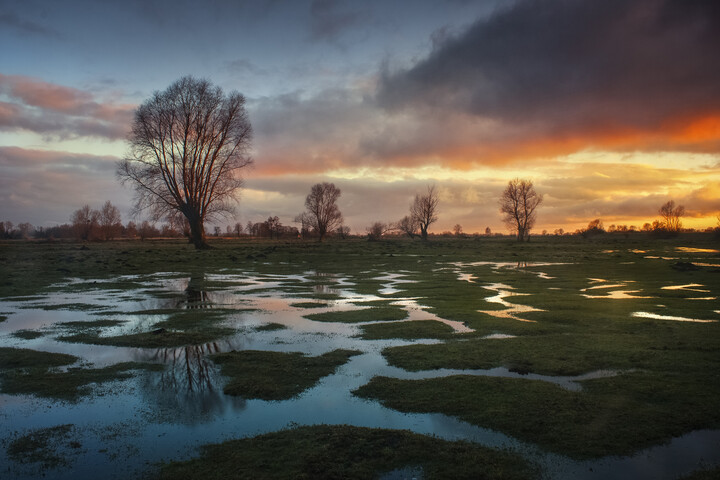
(471,357)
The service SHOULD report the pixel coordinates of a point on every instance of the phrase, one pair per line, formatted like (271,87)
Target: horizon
(610,108)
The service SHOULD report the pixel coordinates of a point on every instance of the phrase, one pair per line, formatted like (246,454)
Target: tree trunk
(423,234)
(197,232)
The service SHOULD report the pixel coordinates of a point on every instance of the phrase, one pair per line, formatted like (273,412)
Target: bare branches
(671,216)
(188,147)
(323,214)
(518,203)
(423,210)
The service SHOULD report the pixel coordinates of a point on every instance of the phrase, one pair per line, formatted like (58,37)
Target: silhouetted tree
(109,221)
(323,213)
(376,231)
(408,226)
(488,232)
(188,147)
(670,215)
(85,222)
(343,231)
(274,227)
(518,203)
(457,230)
(424,210)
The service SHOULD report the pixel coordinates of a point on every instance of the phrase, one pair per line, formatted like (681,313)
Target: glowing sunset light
(383,99)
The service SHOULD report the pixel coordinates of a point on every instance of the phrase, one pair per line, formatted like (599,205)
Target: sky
(610,107)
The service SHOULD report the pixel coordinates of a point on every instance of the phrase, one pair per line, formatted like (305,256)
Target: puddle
(690,287)
(696,250)
(655,316)
(162,416)
(511,310)
(612,295)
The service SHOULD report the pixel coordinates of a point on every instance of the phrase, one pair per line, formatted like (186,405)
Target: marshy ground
(460,358)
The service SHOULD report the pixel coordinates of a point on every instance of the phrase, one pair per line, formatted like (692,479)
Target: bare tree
(323,213)
(377,230)
(457,230)
(110,222)
(423,210)
(85,222)
(671,216)
(518,203)
(188,147)
(488,231)
(343,231)
(408,226)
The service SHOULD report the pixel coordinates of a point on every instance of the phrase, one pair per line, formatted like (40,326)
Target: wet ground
(127,426)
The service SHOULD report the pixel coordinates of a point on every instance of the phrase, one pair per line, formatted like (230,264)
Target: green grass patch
(27,334)
(332,452)
(406,330)
(105,323)
(24,371)
(309,304)
(271,327)
(47,447)
(612,416)
(160,338)
(276,375)
(375,314)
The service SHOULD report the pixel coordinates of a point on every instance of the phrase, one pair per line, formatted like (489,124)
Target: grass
(24,371)
(614,416)
(276,375)
(406,330)
(271,327)
(332,452)
(374,314)
(47,447)
(671,369)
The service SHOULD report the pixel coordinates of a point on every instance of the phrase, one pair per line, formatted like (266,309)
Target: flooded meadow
(574,360)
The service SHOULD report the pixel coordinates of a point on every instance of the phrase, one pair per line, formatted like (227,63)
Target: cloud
(51,109)
(329,19)
(559,76)
(12,20)
(45,187)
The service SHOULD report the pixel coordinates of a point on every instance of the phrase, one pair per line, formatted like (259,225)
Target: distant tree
(595,227)
(647,227)
(305,224)
(109,221)
(518,203)
(131,230)
(217,230)
(343,231)
(323,213)
(238,229)
(25,230)
(423,210)
(457,229)
(670,215)
(6,229)
(408,226)
(85,223)
(273,226)
(188,147)
(147,230)
(249,228)
(488,232)
(559,231)
(376,231)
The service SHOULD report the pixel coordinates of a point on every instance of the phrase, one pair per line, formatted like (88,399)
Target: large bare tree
(323,214)
(423,210)
(671,216)
(188,147)
(518,203)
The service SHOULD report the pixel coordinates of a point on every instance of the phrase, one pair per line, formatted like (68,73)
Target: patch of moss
(47,447)
(362,315)
(406,330)
(276,375)
(65,385)
(27,334)
(308,304)
(13,358)
(332,452)
(269,327)
(611,416)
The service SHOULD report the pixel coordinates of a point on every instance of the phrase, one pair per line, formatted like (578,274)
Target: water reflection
(511,310)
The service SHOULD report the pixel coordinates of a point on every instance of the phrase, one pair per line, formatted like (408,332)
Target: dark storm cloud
(565,65)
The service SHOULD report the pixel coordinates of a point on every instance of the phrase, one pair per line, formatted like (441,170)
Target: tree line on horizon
(188,148)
